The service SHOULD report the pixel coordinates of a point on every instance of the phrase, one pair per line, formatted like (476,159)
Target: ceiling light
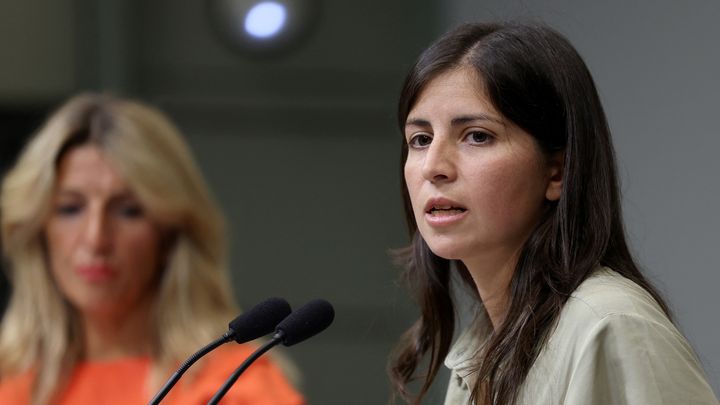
(262,26)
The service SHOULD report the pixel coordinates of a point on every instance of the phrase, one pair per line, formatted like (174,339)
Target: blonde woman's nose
(97,233)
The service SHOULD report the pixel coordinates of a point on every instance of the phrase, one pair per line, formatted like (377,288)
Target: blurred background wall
(301,148)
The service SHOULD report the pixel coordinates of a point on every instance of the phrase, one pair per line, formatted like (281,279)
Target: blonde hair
(40,329)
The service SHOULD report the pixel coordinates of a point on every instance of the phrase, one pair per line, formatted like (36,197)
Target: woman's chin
(445,250)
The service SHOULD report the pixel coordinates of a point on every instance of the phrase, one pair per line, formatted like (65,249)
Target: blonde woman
(117,260)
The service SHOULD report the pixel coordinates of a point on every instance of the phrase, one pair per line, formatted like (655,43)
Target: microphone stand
(228,336)
(276,339)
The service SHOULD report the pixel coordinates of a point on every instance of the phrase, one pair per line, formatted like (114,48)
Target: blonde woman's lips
(95,273)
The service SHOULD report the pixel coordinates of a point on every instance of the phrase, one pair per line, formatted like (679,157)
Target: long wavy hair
(535,79)
(40,329)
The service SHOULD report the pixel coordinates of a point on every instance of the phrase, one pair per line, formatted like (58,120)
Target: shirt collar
(463,355)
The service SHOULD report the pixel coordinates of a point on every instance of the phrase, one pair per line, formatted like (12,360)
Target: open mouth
(447,210)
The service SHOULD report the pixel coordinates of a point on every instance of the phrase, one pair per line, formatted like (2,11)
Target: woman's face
(103,250)
(476,181)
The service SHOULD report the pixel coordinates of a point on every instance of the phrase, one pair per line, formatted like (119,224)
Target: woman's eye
(131,211)
(420,140)
(66,210)
(479,137)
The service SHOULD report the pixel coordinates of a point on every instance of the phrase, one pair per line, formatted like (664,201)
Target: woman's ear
(556,168)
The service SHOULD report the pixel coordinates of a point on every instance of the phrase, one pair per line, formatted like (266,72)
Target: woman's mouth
(442,212)
(96,272)
(446,211)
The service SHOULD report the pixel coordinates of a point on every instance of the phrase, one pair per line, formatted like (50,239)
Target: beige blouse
(613,345)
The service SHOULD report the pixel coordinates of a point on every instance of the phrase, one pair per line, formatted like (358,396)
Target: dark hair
(535,79)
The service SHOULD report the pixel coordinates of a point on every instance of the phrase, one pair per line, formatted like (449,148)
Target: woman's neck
(492,276)
(112,337)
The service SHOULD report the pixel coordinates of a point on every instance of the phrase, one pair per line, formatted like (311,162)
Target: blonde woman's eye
(131,211)
(479,137)
(420,141)
(68,210)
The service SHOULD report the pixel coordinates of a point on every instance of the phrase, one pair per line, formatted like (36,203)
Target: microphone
(258,321)
(311,319)
(306,322)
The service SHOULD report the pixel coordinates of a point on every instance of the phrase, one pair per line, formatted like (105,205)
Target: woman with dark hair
(510,183)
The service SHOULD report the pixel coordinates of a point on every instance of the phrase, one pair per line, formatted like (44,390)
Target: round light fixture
(265,19)
(263,26)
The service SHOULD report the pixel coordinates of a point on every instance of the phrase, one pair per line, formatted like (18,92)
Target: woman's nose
(97,232)
(439,164)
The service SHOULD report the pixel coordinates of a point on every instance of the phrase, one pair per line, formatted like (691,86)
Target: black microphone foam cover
(309,320)
(259,320)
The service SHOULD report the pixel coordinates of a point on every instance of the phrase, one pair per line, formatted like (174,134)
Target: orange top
(123,382)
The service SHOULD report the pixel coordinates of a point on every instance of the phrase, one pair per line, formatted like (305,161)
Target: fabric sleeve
(630,360)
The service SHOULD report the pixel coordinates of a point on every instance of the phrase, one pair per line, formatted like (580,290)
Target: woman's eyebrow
(459,120)
(417,122)
(465,119)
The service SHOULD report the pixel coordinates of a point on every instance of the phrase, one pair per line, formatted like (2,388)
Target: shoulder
(608,309)
(606,297)
(16,389)
(262,383)
(613,344)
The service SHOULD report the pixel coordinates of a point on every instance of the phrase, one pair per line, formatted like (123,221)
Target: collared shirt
(612,345)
